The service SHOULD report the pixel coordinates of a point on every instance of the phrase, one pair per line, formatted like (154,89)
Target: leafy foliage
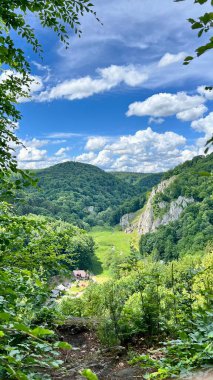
(29,348)
(181,356)
(150,298)
(202,24)
(25,350)
(32,241)
(156,301)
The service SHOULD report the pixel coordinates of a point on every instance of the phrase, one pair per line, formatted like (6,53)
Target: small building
(61,287)
(81,274)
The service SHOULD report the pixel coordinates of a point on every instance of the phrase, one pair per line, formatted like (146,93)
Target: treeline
(84,194)
(198,165)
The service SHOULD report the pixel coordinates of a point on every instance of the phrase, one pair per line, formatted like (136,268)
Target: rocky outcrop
(148,222)
(125,220)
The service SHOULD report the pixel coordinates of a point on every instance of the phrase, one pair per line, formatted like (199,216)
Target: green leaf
(21,327)
(1,334)
(88,374)
(40,331)
(56,363)
(63,345)
(197,25)
(5,316)
(21,376)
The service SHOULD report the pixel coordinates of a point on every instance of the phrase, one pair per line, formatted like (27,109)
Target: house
(81,274)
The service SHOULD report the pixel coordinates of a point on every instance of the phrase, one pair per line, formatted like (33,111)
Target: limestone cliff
(148,222)
(126,219)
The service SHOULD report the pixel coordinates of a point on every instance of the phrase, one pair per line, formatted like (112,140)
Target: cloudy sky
(120,97)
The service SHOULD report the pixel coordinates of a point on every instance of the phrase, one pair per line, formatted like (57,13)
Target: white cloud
(31,154)
(130,75)
(204,125)
(35,86)
(144,151)
(208,94)
(84,87)
(45,163)
(155,120)
(35,143)
(192,113)
(86,157)
(95,143)
(169,59)
(129,26)
(43,68)
(64,135)
(165,104)
(62,151)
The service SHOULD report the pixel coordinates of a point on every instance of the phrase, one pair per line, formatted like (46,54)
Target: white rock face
(175,209)
(147,223)
(126,219)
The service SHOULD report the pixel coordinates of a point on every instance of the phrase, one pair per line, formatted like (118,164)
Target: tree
(15,79)
(203,25)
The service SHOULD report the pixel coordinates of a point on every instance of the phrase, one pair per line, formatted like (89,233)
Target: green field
(110,243)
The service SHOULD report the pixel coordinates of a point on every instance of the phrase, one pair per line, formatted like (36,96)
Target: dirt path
(87,352)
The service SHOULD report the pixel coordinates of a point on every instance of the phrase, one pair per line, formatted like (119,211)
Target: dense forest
(84,194)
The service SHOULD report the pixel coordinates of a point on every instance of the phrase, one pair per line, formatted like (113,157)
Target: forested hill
(192,231)
(84,194)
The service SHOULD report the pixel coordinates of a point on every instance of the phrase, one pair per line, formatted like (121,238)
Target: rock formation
(126,219)
(148,222)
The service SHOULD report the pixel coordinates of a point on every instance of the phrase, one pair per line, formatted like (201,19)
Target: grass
(110,242)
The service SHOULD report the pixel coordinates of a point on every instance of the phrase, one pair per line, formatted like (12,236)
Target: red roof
(80,273)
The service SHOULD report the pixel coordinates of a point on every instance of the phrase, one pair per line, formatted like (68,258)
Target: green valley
(112,247)
(84,194)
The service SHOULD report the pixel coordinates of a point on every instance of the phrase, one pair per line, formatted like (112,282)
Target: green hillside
(84,194)
(193,231)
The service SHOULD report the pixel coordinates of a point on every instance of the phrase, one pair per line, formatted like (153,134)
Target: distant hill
(84,194)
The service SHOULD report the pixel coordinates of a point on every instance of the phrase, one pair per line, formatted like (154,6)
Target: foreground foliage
(32,250)
(156,301)
(26,348)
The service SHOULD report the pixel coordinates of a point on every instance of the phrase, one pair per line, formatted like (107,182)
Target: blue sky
(120,97)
